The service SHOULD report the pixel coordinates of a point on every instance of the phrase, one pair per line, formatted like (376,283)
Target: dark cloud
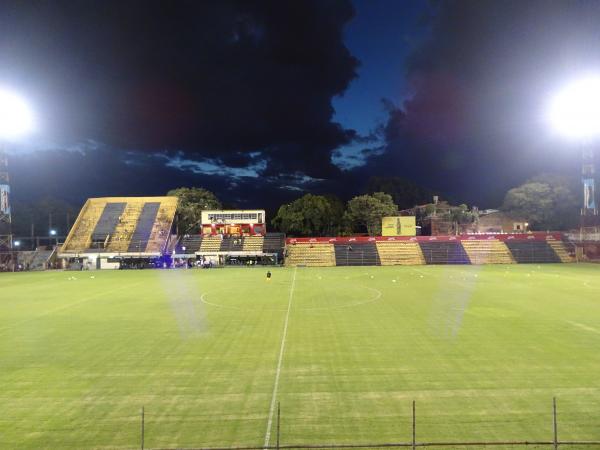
(474,123)
(73,176)
(236,96)
(212,79)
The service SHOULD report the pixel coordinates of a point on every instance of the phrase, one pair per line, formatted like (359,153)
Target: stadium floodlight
(52,232)
(575,111)
(16,117)
(17,243)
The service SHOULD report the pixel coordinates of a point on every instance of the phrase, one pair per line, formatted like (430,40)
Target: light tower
(5,216)
(588,170)
(575,113)
(15,120)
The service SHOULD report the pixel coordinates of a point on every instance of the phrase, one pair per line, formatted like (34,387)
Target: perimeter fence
(421,442)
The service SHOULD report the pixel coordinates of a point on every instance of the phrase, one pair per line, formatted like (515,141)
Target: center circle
(314,298)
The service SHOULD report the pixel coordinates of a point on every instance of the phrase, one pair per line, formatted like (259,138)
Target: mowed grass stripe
(481,349)
(280,360)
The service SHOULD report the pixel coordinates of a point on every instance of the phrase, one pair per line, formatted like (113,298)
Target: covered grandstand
(118,232)
(111,229)
(232,249)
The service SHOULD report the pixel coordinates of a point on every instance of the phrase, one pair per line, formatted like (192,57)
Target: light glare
(16,118)
(575,111)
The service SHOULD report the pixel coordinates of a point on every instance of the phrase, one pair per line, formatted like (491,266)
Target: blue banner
(4,199)
(588,193)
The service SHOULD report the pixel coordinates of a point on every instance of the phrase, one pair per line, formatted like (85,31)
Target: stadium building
(139,232)
(112,232)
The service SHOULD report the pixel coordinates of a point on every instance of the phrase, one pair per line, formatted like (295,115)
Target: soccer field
(209,353)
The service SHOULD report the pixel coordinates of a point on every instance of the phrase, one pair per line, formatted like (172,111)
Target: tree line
(548,202)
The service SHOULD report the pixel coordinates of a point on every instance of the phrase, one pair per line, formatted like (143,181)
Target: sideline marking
(279,363)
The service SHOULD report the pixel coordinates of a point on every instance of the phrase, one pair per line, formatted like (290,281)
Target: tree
(364,213)
(192,201)
(310,215)
(405,193)
(336,219)
(548,202)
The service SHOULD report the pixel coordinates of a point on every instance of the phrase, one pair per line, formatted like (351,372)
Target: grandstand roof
(122,225)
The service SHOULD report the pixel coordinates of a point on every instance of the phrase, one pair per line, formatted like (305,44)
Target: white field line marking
(69,305)
(377,296)
(280,362)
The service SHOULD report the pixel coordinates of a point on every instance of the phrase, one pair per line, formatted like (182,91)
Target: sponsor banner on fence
(538,236)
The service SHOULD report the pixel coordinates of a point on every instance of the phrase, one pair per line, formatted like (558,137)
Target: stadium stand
(107,224)
(311,255)
(122,225)
(162,226)
(500,248)
(24,259)
(533,251)
(143,228)
(487,251)
(253,244)
(189,244)
(393,253)
(80,235)
(363,254)
(274,243)
(121,236)
(210,244)
(561,250)
(41,259)
(444,252)
(34,260)
(231,244)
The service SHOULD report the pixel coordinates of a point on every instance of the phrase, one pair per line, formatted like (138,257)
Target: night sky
(262,101)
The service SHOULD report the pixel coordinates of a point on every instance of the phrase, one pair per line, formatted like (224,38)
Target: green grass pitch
(481,349)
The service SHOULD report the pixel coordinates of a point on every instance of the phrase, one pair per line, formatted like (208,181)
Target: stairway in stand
(310,255)
(560,248)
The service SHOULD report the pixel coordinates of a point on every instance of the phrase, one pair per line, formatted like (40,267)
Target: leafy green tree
(364,212)
(548,202)
(460,214)
(310,215)
(192,201)
(336,219)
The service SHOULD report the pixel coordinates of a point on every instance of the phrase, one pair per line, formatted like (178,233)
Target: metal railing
(553,442)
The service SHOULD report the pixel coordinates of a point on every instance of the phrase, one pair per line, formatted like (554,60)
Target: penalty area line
(280,362)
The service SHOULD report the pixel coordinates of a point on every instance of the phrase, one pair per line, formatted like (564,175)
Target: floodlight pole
(589,210)
(6,238)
